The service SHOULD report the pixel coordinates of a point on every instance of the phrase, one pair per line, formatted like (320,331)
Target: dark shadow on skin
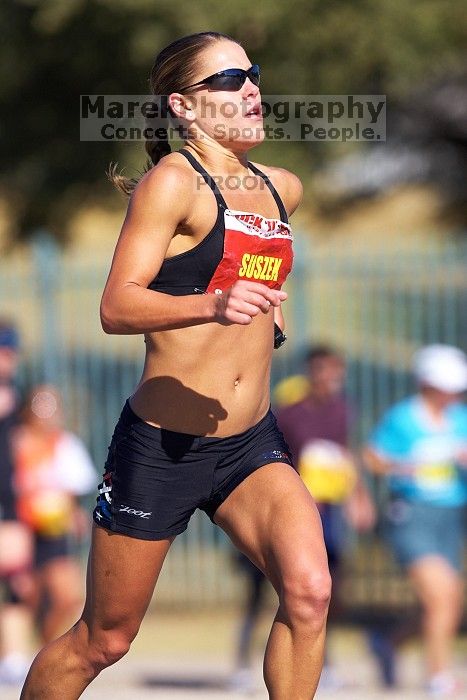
(170,404)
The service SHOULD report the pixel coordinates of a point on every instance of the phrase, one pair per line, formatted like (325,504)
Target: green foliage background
(54,50)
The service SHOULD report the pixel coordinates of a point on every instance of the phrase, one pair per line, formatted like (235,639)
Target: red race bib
(255,248)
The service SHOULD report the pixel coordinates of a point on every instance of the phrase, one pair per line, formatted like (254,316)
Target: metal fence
(377,302)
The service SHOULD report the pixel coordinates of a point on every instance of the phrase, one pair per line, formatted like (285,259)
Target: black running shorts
(155,479)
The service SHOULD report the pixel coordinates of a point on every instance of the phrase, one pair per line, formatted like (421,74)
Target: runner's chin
(249,132)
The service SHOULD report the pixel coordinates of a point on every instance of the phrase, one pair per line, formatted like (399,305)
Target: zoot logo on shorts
(132,511)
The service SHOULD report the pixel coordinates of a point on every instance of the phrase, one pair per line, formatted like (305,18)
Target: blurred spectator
(52,469)
(420,444)
(317,430)
(15,541)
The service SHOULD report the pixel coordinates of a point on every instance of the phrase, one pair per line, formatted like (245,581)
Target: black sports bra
(219,259)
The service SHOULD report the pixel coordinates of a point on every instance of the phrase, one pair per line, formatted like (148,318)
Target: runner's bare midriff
(207,380)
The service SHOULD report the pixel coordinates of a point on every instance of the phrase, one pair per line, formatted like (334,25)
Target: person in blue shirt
(420,444)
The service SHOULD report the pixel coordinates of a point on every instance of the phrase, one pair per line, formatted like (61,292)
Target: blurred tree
(54,50)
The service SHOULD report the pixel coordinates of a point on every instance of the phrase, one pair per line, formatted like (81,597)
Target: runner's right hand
(244,300)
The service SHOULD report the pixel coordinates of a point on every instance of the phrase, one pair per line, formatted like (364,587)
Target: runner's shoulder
(170,182)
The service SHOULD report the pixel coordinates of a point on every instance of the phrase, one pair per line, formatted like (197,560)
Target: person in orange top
(52,468)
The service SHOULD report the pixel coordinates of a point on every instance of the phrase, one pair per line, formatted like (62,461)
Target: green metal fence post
(46,260)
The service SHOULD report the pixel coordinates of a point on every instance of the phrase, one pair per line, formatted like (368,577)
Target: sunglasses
(231,79)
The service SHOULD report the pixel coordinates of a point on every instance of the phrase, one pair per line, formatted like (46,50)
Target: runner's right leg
(122,573)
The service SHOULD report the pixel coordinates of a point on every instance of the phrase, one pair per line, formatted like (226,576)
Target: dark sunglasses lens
(254,75)
(231,83)
(232,80)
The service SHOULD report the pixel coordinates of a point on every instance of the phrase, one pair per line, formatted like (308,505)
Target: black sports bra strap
(274,192)
(206,176)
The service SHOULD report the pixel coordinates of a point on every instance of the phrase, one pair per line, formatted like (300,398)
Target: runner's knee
(107,647)
(305,596)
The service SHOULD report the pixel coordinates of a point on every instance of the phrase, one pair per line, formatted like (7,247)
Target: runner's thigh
(122,574)
(273,519)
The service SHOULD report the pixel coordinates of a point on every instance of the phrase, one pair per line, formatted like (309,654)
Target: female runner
(198,269)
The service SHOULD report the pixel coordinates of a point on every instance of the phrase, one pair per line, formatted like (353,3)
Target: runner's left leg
(281,533)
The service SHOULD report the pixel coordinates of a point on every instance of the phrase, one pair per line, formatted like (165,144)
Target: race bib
(255,248)
(47,512)
(327,471)
(42,503)
(434,465)
(436,476)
